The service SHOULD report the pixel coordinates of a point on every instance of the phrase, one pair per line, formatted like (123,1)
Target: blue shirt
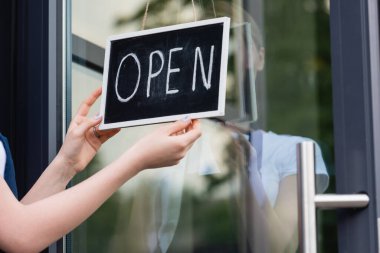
(9,172)
(276,159)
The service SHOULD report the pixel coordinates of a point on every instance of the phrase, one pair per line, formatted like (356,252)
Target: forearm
(53,180)
(276,224)
(265,231)
(32,227)
(49,219)
(281,234)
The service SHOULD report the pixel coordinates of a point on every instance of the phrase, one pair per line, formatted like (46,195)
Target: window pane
(235,191)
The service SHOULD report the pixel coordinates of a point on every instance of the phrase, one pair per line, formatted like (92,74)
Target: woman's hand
(164,147)
(83,139)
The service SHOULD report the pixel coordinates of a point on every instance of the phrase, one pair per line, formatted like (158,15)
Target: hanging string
(194,13)
(145,15)
(213,7)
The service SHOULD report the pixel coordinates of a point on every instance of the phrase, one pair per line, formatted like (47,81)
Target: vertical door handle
(308,201)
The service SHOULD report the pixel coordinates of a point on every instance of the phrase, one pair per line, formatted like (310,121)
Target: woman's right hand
(81,143)
(166,146)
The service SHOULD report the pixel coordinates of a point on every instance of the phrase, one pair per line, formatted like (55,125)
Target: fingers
(105,135)
(177,126)
(87,124)
(110,132)
(192,134)
(86,104)
(194,123)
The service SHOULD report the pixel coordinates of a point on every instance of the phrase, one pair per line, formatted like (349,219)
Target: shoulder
(281,144)
(282,149)
(284,139)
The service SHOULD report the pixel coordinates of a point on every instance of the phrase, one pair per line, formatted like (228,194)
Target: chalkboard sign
(166,73)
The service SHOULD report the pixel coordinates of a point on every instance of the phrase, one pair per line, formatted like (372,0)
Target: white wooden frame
(222,81)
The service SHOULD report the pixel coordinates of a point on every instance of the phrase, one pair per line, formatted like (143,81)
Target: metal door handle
(308,201)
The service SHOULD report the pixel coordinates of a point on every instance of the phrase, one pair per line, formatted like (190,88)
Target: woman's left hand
(83,137)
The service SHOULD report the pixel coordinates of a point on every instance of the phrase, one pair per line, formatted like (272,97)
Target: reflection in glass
(236,189)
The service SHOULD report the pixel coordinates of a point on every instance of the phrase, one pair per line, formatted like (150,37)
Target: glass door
(236,190)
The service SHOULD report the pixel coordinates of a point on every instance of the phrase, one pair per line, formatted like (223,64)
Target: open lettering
(155,70)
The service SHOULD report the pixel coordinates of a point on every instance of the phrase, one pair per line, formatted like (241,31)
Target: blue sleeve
(9,173)
(286,160)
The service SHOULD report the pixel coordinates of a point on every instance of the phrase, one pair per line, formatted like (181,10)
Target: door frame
(32,81)
(354,28)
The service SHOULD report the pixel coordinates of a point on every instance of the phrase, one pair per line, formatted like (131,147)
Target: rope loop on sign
(145,15)
(213,8)
(194,12)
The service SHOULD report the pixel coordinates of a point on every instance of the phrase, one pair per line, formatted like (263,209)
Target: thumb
(88,123)
(178,125)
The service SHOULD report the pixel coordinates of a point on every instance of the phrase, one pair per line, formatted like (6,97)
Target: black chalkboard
(163,74)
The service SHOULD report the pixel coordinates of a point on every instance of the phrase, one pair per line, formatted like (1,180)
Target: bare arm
(76,152)
(53,180)
(283,216)
(30,228)
(279,221)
